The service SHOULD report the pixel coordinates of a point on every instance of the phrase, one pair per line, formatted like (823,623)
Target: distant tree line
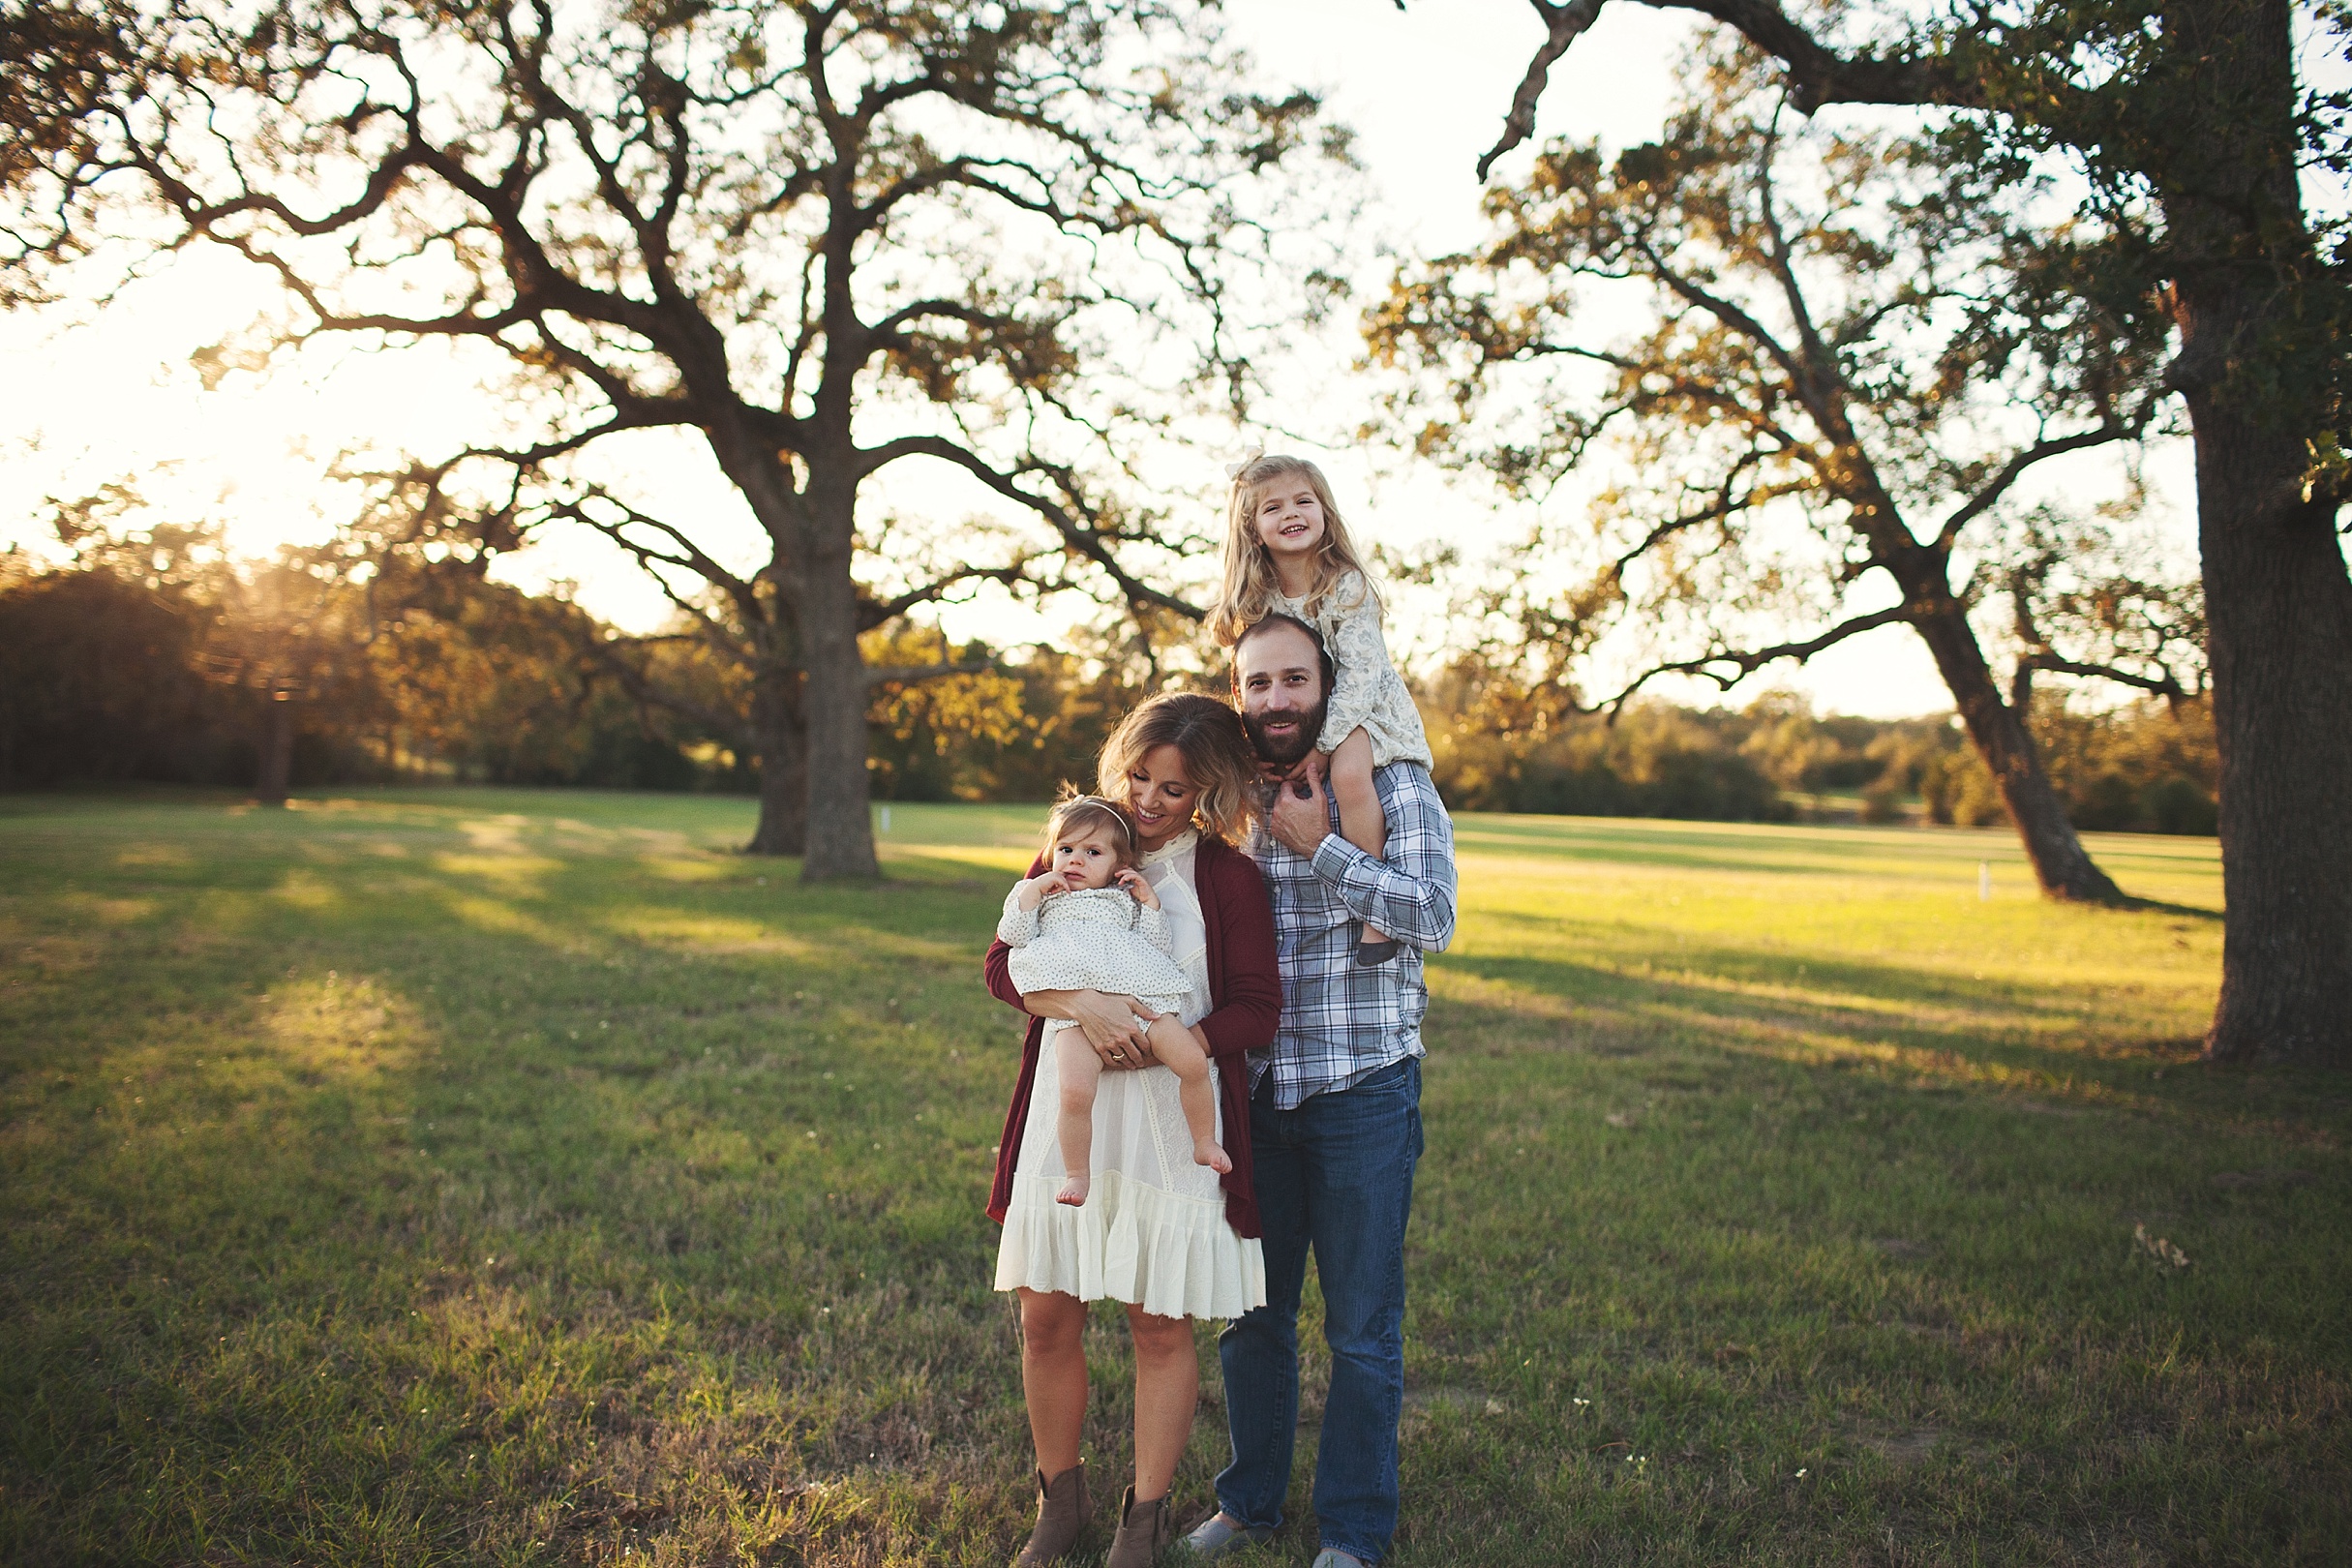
(154,658)
(1501,746)
(150,656)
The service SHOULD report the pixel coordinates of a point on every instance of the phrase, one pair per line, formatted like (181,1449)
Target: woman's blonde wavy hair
(1215,747)
(1251,583)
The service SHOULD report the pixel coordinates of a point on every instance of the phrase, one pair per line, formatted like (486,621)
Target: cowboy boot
(1144,1527)
(1062,1510)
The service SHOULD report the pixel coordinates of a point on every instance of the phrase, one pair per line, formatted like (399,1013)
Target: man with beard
(1335,1116)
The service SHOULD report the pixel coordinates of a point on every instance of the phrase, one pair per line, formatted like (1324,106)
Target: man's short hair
(1331,669)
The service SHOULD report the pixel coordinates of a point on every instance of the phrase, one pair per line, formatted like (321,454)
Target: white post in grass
(886,818)
(1984,881)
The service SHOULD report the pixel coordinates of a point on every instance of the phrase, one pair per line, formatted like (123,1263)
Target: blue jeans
(1335,1175)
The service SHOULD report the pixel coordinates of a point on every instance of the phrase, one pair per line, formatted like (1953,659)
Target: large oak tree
(2186,123)
(1851,364)
(824,240)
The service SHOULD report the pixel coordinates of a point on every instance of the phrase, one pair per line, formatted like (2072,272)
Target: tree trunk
(2060,865)
(2279,612)
(271,784)
(2279,604)
(2055,850)
(840,827)
(775,719)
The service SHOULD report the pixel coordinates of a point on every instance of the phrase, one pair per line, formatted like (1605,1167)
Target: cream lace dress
(1153,1230)
(1368,692)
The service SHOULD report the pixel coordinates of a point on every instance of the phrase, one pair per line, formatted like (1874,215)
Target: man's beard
(1283,753)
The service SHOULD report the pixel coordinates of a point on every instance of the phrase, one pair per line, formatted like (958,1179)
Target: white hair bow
(1234,471)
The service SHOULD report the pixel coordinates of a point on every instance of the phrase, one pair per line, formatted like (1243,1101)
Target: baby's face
(1085,860)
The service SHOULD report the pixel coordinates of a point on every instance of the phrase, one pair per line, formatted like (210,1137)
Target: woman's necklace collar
(1171,849)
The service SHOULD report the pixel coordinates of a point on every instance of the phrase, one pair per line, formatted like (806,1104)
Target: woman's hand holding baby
(1137,1055)
(1110,1024)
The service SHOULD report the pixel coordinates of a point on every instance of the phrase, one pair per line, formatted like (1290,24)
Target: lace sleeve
(1351,621)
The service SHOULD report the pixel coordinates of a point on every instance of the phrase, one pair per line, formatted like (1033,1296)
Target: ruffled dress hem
(1174,1255)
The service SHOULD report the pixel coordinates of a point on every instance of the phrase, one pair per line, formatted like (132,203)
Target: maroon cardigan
(1244,1000)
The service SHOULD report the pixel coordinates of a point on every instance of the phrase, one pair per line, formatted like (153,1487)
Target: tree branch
(1561,26)
(888,328)
(1729,502)
(1075,533)
(2166,685)
(688,556)
(1758,421)
(1746,662)
(1817,75)
(2014,469)
(1724,311)
(873,613)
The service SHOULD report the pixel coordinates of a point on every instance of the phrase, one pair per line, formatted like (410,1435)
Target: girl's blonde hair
(1217,757)
(1075,813)
(1251,583)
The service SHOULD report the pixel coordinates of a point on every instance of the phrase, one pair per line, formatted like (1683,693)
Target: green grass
(479,1176)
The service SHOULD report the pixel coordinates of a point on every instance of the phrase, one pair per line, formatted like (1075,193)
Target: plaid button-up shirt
(1342,1022)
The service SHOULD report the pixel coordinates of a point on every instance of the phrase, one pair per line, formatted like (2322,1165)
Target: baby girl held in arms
(1090,921)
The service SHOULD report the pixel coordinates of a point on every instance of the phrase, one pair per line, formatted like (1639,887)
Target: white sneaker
(1216,1535)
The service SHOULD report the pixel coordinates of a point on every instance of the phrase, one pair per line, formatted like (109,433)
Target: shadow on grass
(2043,1049)
(457,1168)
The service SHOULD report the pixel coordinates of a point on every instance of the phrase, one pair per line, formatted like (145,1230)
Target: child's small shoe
(1370,953)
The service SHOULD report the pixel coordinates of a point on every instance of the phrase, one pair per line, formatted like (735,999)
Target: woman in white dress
(1171,1239)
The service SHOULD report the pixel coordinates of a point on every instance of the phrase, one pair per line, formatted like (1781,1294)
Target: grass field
(477,1176)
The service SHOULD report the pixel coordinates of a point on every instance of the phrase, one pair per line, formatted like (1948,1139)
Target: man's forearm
(1417,911)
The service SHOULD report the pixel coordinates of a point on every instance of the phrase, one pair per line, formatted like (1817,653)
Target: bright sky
(105,392)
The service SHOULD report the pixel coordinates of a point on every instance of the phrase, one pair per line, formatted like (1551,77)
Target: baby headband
(1234,471)
(1126,827)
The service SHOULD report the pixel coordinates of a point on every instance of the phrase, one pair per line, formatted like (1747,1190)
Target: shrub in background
(128,666)
(2149,769)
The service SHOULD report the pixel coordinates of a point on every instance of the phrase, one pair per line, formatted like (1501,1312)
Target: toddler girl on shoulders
(1287,552)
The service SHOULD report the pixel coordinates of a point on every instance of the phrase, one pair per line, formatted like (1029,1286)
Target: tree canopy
(2189,133)
(823,240)
(1854,355)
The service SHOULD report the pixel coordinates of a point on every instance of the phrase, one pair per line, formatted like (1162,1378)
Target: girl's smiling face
(1086,860)
(1159,797)
(1289,518)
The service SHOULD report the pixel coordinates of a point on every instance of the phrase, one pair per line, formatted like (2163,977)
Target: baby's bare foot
(1207,1153)
(1073,1192)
